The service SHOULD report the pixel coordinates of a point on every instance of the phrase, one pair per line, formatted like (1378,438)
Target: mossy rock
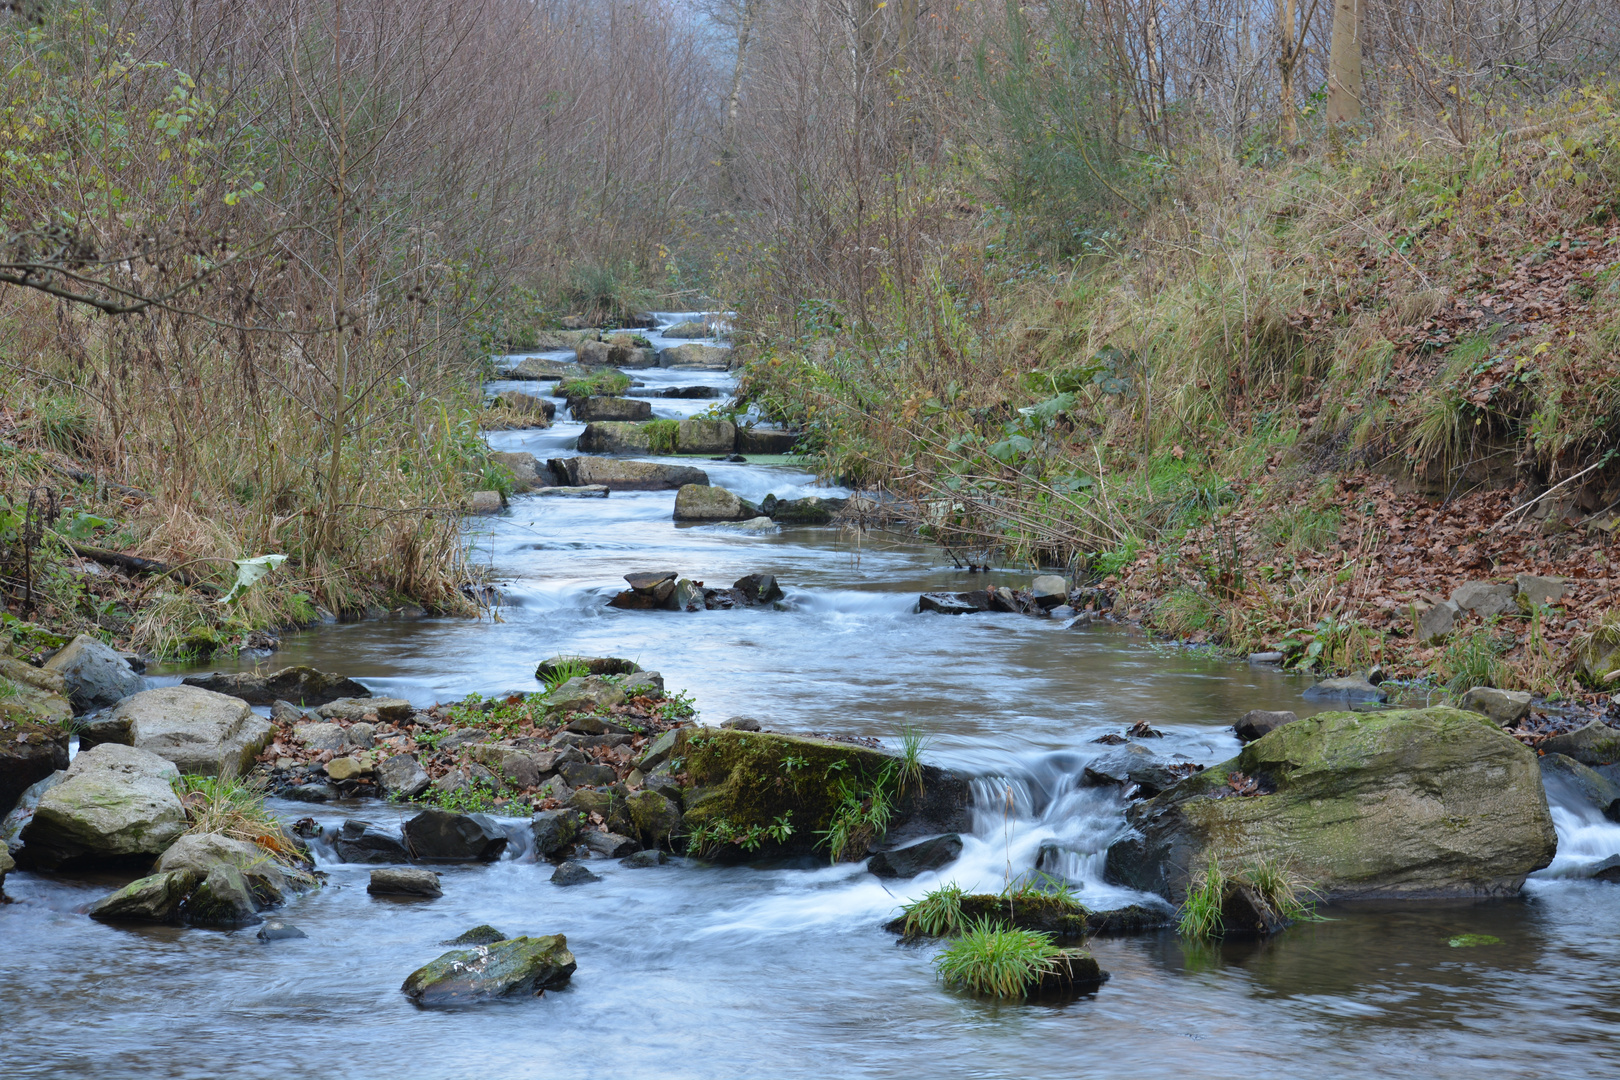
(1050,915)
(752,779)
(518,966)
(1408,803)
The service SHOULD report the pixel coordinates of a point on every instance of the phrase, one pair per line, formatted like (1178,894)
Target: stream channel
(689,970)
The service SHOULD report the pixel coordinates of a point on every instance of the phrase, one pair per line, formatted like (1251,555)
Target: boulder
(810,510)
(657,586)
(609,845)
(321,736)
(483,503)
(300,683)
(93,675)
(765,441)
(202,732)
(1131,764)
(359,842)
(29,752)
(405,881)
(614,437)
(518,966)
(1506,707)
(734,786)
(554,830)
(1485,598)
(702,502)
(692,328)
(917,858)
(709,357)
(618,475)
(1568,777)
(389,710)
(482,934)
(277,930)
(572,873)
(440,836)
(1409,803)
(587,774)
(584,694)
(594,665)
(641,860)
(116,803)
(657,819)
(1049,591)
(252,871)
(759,588)
(742,723)
(1431,622)
(612,808)
(658,751)
(705,435)
(1258,722)
(36,694)
(1350,689)
(1607,869)
(347,768)
(1532,590)
(1595,744)
(156,898)
(11,826)
(592,409)
(527,471)
(527,405)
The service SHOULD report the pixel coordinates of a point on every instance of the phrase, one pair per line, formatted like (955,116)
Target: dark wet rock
(609,845)
(1408,803)
(705,502)
(203,733)
(1506,707)
(594,665)
(402,776)
(116,803)
(614,437)
(302,684)
(595,727)
(1595,744)
(589,409)
(944,603)
(611,806)
(733,778)
(518,966)
(810,510)
(1258,722)
(11,826)
(1072,971)
(483,934)
(1351,689)
(405,881)
(765,441)
(1132,919)
(658,751)
(572,873)
(554,830)
(155,898)
(276,930)
(641,860)
(656,817)
(758,588)
(440,836)
(310,793)
(93,675)
(622,475)
(1246,913)
(691,392)
(29,752)
(1607,870)
(740,723)
(1132,764)
(358,842)
(1578,782)
(917,858)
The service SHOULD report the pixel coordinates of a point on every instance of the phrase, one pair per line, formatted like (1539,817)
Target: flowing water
(765,972)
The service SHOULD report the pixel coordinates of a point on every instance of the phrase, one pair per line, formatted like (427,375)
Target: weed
(1201,911)
(1473,659)
(1039,887)
(862,816)
(711,836)
(912,744)
(993,959)
(662,435)
(561,673)
(677,707)
(937,914)
(1301,528)
(235,808)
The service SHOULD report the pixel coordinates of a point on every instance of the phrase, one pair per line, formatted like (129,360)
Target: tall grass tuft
(937,914)
(996,960)
(235,808)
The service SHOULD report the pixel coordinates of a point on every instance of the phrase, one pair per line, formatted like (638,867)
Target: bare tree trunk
(1344,63)
(1286,61)
(744,28)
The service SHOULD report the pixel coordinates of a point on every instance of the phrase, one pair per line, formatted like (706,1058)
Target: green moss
(662,435)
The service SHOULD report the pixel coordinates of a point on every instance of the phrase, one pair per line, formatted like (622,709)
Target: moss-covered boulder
(523,965)
(116,804)
(755,794)
(1408,803)
(205,879)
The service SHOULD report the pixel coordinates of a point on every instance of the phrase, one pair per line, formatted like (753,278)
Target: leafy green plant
(861,816)
(711,836)
(937,914)
(993,959)
(677,707)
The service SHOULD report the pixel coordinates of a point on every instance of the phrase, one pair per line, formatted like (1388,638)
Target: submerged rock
(1412,803)
(642,860)
(93,675)
(276,930)
(810,510)
(116,803)
(554,830)
(572,873)
(483,934)
(523,965)
(299,683)
(1350,689)
(358,842)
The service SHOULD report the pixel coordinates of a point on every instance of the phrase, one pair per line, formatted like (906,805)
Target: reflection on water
(689,971)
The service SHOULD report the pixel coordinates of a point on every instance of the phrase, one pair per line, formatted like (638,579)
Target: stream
(689,970)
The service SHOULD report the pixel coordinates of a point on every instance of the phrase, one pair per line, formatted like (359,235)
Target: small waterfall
(1585,836)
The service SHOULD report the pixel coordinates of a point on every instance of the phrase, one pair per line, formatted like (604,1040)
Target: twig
(1525,506)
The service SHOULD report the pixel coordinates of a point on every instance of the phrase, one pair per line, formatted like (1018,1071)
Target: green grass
(912,744)
(1301,528)
(605,383)
(662,435)
(861,817)
(996,960)
(1277,885)
(937,914)
(561,673)
(1201,911)
(1037,886)
(235,808)
(1185,611)
(1474,659)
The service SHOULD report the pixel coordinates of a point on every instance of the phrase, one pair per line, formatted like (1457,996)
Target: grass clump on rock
(235,808)
(606,383)
(1262,898)
(998,960)
(662,435)
(937,914)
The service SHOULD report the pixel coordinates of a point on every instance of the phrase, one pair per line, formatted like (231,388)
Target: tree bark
(1344,63)
(728,150)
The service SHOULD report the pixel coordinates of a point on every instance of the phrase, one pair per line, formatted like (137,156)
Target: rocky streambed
(680,872)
